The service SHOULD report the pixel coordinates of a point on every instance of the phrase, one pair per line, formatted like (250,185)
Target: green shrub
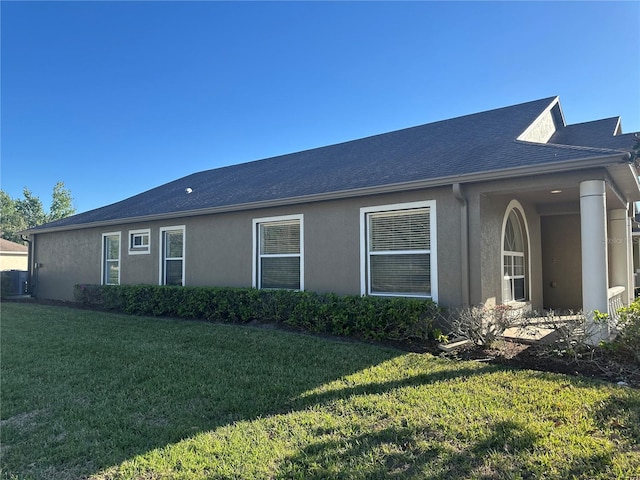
(89,295)
(627,341)
(371,318)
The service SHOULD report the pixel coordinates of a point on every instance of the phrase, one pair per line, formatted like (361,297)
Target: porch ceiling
(565,199)
(559,193)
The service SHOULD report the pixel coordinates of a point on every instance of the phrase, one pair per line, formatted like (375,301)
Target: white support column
(593,229)
(620,261)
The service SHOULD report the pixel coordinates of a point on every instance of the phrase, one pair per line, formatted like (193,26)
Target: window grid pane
(280,272)
(112,247)
(140,240)
(518,289)
(280,238)
(173,272)
(400,231)
(513,237)
(112,272)
(409,274)
(508,269)
(173,244)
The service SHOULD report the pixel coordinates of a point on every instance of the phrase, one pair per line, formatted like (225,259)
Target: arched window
(514,258)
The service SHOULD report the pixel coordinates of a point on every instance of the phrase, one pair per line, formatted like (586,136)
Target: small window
(172,255)
(398,242)
(111,258)
(278,247)
(139,241)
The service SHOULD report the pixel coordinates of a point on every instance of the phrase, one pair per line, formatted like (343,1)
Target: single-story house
(13,256)
(506,206)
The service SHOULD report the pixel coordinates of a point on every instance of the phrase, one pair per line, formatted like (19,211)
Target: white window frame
(142,249)
(526,255)
(365,271)
(256,273)
(162,258)
(103,258)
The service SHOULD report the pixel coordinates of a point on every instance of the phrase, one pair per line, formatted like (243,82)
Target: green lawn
(103,396)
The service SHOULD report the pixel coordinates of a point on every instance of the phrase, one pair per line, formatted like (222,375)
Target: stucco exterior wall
(219,248)
(64,259)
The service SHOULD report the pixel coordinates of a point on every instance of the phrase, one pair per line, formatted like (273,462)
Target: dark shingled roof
(599,134)
(481,142)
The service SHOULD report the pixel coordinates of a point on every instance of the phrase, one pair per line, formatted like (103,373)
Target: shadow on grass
(410,453)
(439,375)
(407,452)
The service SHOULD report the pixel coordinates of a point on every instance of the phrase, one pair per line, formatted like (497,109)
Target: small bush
(627,342)
(88,295)
(371,318)
(479,324)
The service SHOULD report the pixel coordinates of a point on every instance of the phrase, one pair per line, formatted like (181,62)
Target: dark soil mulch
(597,364)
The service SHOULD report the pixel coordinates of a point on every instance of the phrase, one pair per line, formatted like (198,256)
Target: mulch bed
(597,364)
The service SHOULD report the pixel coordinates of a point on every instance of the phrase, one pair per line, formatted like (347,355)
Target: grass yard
(94,395)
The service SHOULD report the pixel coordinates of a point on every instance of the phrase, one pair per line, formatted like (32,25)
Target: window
(139,241)
(514,258)
(172,255)
(398,248)
(111,258)
(278,246)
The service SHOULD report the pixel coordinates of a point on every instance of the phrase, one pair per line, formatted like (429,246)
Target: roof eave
(555,167)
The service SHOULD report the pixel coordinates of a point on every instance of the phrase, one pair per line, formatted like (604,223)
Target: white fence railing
(615,295)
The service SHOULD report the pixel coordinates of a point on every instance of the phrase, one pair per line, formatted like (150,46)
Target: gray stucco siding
(64,259)
(219,248)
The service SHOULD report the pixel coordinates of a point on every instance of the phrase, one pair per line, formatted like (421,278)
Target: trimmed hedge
(372,318)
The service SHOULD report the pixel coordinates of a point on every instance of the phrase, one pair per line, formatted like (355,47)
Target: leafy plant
(370,318)
(628,339)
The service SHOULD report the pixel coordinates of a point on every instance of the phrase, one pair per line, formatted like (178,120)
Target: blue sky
(115,98)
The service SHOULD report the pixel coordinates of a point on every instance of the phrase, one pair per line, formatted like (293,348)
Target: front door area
(561,262)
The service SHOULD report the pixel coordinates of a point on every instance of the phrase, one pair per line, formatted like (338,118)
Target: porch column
(593,230)
(619,247)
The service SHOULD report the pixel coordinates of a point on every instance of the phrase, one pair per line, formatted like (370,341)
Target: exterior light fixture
(556,191)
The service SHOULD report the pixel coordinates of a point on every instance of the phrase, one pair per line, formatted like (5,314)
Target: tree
(61,203)
(22,213)
(30,209)
(11,220)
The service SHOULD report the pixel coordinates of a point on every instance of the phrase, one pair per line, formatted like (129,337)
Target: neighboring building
(505,206)
(13,256)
